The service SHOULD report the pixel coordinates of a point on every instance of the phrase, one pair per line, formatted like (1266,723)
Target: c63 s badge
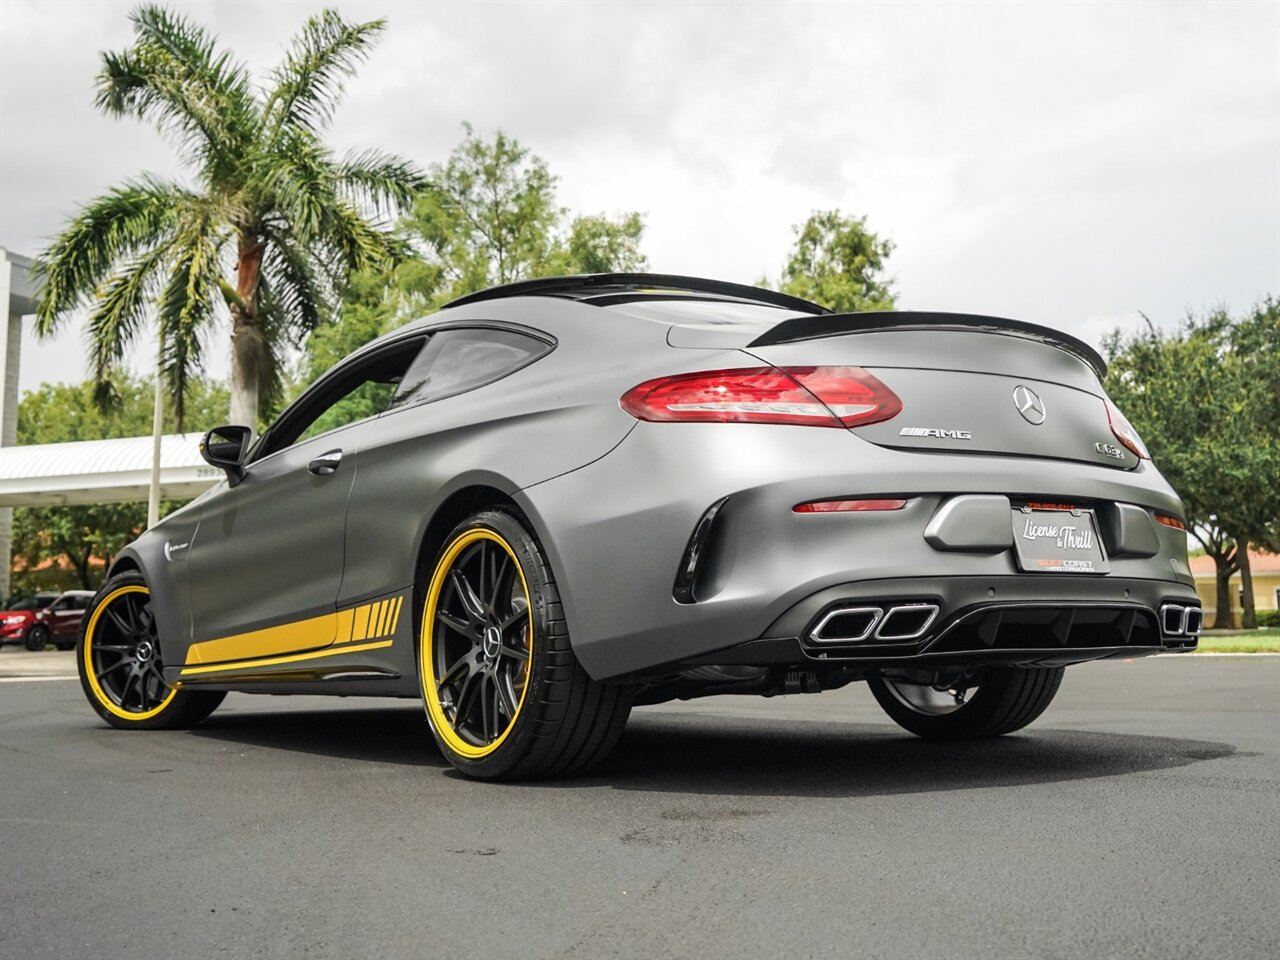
(1109,450)
(936,432)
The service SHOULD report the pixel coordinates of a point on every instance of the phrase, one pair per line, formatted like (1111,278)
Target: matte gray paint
(614,501)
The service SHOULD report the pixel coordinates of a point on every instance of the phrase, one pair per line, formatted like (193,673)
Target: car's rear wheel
(121,667)
(37,638)
(505,696)
(992,702)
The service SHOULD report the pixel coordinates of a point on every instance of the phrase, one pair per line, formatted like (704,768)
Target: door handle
(326,463)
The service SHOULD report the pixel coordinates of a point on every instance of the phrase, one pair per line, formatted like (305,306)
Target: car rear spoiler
(843,324)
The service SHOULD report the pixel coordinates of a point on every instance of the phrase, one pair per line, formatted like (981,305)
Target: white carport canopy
(102,471)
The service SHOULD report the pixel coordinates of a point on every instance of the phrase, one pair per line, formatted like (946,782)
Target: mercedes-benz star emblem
(1029,404)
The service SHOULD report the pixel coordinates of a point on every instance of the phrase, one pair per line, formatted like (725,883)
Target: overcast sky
(1071,165)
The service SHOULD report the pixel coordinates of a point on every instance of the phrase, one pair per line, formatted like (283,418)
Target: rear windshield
(707,313)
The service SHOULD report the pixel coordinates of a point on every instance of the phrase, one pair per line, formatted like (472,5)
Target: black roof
(603,288)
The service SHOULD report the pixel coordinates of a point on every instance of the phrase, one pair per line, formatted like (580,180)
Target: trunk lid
(973,389)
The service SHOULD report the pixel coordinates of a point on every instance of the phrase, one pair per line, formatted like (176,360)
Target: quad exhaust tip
(1179,621)
(893,624)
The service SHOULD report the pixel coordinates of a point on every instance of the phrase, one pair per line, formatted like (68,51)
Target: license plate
(1058,541)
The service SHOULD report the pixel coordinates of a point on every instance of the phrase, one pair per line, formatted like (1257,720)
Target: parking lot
(1137,818)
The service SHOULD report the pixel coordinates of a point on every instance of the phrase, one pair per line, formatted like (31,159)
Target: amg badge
(1109,450)
(935,432)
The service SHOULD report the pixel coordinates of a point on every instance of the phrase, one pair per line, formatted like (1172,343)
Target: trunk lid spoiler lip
(842,324)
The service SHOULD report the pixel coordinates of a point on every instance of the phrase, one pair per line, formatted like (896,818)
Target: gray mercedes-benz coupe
(558,498)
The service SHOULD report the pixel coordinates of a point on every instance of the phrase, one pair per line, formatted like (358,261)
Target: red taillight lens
(1124,432)
(847,506)
(806,396)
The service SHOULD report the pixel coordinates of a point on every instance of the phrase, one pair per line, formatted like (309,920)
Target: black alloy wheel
(121,665)
(481,643)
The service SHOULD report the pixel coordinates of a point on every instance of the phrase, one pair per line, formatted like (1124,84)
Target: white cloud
(1066,164)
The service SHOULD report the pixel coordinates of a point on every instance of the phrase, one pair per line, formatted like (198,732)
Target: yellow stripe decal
(369,621)
(297,658)
(361,628)
(285,638)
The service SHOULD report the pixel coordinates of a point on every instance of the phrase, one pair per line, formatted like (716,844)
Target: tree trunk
(244,381)
(1225,617)
(1249,620)
(248,346)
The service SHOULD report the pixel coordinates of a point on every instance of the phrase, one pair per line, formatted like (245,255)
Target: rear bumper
(617,532)
(1010,621)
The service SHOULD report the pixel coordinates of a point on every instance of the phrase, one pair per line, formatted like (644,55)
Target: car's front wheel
(121,667)
(505,696)
(992,702)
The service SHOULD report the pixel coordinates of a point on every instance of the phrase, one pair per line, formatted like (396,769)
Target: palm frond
(185,308)
(120,313)
(381,180)
(309,83)
(119,224)
(301,287)
(175,76)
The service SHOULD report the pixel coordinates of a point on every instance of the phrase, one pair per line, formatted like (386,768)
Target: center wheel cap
(144,651)
(492,642)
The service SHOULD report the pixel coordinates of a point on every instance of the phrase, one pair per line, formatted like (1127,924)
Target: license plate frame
(1058,541)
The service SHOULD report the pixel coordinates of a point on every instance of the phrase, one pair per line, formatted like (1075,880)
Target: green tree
(88,536)
(488,216)
(1206,398)
(837,262)
(269,229)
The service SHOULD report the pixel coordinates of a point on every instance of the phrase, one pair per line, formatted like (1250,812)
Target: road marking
(34,679)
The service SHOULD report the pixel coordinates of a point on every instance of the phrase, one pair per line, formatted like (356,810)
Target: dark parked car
(558,498)
(18,616)
(59,622)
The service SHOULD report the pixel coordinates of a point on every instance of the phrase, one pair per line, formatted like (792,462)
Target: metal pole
(157,428)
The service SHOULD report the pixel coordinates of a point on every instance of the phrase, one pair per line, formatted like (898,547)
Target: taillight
(1124,432)
(806,396)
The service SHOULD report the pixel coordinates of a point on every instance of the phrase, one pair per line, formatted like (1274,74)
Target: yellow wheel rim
(476,645)
(132,655)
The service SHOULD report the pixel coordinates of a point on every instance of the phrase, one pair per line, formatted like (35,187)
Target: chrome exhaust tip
(1173,620)
(910,621)
(846,625)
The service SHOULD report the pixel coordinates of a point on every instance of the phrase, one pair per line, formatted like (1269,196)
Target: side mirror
(225,447)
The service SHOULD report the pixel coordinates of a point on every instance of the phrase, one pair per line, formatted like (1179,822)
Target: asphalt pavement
(1137,818)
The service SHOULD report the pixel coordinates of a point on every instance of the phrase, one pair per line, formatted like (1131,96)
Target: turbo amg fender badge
(171,548)
(935,432)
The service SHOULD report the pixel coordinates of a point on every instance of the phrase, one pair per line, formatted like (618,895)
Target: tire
(37,638)
(514,704)
(1001,700)
(119,661)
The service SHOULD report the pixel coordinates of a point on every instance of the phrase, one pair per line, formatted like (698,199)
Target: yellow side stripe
(369,621)
(296,658)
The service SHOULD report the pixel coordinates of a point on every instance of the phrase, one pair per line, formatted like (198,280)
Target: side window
(361,390)
(62,603)
(454,361)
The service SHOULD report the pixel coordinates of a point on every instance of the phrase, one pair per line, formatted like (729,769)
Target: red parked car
(17,618)
(56,622)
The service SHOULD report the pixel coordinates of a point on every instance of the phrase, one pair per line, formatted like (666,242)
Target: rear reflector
(847,506)
(1169,521)
(803,396)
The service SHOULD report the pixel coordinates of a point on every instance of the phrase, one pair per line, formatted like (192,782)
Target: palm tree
(270,226)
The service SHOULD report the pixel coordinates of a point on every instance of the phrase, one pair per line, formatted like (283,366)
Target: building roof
(1259,562)
(102,471)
